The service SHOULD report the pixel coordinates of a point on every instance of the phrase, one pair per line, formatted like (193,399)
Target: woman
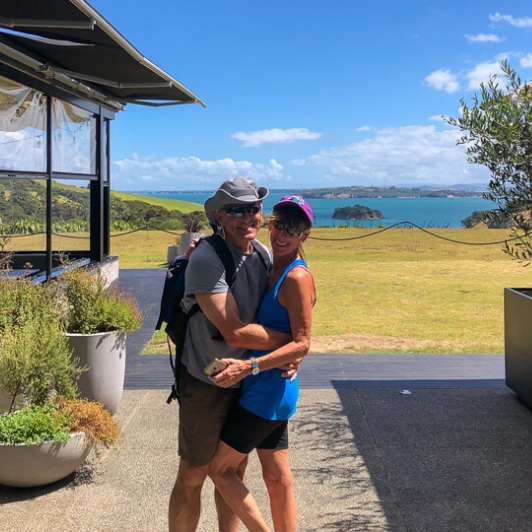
(260,420)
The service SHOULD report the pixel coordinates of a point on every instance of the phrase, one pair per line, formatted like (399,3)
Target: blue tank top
(267,394)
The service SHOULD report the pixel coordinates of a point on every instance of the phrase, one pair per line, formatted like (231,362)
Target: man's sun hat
(296,201)
(233,192)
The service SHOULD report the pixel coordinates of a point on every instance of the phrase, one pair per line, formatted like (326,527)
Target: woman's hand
(235,371)
(193,245)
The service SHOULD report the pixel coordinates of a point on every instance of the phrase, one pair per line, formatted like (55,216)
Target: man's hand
(290,370)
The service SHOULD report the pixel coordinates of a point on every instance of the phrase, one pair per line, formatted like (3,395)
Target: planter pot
(185,241)
(104,354)
(518,341)
(26,466)
(172,253)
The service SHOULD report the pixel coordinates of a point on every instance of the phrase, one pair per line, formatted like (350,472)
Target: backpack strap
(222,250)
(263,255)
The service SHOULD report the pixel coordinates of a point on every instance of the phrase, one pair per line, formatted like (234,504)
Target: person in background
(260,418)
(235,210)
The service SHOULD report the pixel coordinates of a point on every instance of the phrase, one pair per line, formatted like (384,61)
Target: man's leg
(185,501)
(203,409)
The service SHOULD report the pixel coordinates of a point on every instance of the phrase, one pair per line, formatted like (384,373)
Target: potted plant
(40,444)
(195,223)
(45,433)
(97,319)
(498,133)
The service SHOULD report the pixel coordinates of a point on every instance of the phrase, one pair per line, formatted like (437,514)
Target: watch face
(255,368)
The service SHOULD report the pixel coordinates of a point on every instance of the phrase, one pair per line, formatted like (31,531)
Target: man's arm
(298,296)
(222,311)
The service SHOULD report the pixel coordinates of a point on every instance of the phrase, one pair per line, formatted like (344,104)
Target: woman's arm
(298,295)
(222,311)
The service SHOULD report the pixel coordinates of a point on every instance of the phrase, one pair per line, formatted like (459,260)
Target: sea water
(424,212)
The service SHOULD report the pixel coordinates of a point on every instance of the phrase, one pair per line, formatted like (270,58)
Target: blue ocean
(424,212)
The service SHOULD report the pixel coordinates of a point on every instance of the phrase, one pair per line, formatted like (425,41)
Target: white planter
(104,354)
(185,241)
(26,466)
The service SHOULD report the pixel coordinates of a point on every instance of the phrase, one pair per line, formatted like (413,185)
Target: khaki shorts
(203,409)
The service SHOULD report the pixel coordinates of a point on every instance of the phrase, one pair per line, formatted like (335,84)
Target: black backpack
(172,313)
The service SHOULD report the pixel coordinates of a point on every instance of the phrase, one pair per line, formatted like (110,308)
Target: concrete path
(364,459)
(454,455)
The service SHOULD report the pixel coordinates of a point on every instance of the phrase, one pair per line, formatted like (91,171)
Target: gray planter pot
(27,466)
(104,354)
(185,241)
(172,253)
(518,342)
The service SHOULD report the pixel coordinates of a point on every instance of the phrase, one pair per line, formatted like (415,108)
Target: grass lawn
(400,291)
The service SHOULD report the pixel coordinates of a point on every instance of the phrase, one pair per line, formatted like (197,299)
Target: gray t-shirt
(206,274)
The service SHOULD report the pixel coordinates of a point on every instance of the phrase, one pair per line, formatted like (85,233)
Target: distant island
(356,192)
(357,212)
(389,192)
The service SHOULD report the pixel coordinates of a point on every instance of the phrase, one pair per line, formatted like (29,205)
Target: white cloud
(526,62)
(523,22)
(362,129)
(483,38)
(482,73)
(275,136)
(443,80)
(187,173)
(412,155)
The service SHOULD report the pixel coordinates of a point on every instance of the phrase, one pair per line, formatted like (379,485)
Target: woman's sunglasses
(292,231)
(238,212)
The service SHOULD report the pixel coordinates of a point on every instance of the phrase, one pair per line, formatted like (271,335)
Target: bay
(424,212)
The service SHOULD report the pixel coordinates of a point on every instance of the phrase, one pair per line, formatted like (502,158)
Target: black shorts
(245,431)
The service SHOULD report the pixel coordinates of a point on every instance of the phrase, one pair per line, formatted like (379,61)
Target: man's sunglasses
(292,231)
(238,212)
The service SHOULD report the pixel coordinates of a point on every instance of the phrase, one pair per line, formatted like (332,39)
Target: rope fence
(359,237)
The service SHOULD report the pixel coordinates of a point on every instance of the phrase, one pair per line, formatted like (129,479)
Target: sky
(311,93)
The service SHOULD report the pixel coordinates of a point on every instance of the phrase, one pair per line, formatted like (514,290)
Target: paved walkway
(453,455)
(319,371)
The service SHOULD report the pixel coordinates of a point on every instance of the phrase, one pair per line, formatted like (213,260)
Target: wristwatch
(254,367)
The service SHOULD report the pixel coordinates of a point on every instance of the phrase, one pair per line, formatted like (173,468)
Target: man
(236,211)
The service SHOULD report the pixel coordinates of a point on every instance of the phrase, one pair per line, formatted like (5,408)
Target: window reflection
(74,139)
(22,128)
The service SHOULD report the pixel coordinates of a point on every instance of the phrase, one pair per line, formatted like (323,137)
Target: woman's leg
(278,479)
(228,521)
(223,472)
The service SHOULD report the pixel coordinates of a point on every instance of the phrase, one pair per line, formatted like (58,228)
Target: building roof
(68,43)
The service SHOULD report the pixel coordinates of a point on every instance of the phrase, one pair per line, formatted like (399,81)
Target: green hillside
(167,203)
(23,209)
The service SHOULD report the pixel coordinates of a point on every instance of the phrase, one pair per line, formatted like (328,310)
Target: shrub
(56,420)
(91,307)
(89,417)
(34,425)
(35,359)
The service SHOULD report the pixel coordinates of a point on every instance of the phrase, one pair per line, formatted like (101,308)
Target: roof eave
(92,14)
